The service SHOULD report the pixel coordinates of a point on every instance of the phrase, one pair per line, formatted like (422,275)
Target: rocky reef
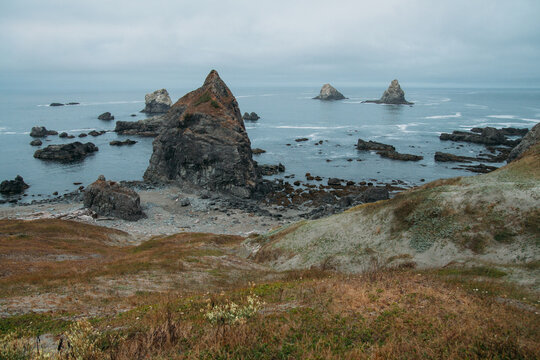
(16,186)
(158,102)
(66,152)
(106,116)
(393,95)
(486,136)
(328,92)
(204,143)
(108,198)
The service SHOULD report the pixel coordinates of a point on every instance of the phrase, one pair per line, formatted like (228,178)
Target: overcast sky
(336,41)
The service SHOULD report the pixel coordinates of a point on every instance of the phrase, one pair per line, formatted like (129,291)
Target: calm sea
(286,113)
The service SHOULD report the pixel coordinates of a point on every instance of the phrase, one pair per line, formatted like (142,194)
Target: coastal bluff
(204,143)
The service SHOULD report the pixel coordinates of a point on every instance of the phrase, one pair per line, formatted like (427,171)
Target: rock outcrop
(11,187)
(447,157)
(106,116)
(96,133)
(150,127)
(532,137)
(36,142)
(66,152)
(328,92)
(373,145)
(393,95)
(108,198)
(486,136)
(204,143)
(394,155)
(56,104)
(158,102)
(41,131)
(122,143)
(251,117)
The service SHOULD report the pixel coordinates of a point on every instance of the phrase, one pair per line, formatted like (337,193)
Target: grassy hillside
(492,218)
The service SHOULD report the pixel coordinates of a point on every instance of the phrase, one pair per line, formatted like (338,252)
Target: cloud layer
(414,39)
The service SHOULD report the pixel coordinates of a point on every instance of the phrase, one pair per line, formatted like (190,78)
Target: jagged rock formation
(328,92)
(252,117)
(36,142)
(15,186)
(393,95)
(150,127)
(486,136)
(204,143)
(41,131)
(95,133)
(158,102)
(109,198)
(532,137)
(66,152)
(106,116)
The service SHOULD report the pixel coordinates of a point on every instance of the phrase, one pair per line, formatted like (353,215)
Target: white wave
(502,116)
(10,133)
(104,103)
(3,128)
(531,120)
(76,130)
(456,115)
(353,102)
(309,127)
(446,99)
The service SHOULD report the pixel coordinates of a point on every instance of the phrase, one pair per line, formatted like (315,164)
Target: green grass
(473,271)
(203,99)
(33,324)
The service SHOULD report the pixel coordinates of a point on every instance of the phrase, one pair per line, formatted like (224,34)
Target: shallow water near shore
(286,113)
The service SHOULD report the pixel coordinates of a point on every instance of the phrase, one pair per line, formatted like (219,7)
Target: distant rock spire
(328,92)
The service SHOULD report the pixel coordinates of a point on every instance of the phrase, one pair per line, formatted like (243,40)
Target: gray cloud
(416,40)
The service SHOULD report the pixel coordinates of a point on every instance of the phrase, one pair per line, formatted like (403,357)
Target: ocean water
(286,113)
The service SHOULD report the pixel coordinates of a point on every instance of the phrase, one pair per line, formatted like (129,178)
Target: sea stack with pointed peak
(393,95)
(158,102)
(328,92)
(204,143)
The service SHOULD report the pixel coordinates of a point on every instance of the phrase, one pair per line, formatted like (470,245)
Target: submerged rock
(36,142)
(205,143)
(393,95)
(16,186)
(108,198)
(66,152)
(258,151)
(41,131)
(328,92)
(252,117)
(106,116)
(267,170)
(96,133)
(446,157)
(158,102)
(56,104)
(532,137)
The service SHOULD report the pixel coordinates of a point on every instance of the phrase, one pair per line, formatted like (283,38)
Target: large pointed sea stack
(328,92)
(204,143)
(393,95)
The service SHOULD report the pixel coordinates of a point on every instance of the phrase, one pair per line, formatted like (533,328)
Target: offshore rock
(328,92)
(67,152)
(108,198)
(158,102)
(150,127)
(16,186)
(393,95)
(41,131)
(122,143)
(394,155)
(373,145)
(532,137)
(106,116)
(252,117)
(36,142)
(446,157)
(205,143)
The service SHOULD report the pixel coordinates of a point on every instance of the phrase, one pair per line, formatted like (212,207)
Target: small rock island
(328,92)
(394,95)
(158,102)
